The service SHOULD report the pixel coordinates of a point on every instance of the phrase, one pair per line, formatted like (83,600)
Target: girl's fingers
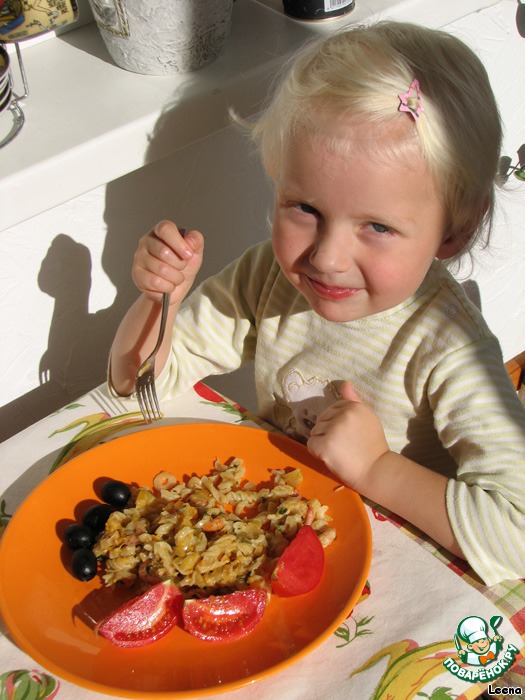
(329,417)
(329,413)
(155,256)
(152,246)
(159,281)
(165,260)
(168,234)
(348,393)
(319,428)
(159,259)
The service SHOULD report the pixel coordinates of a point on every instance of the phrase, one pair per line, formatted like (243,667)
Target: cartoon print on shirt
(304,401)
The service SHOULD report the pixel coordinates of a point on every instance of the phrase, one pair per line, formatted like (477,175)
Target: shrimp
(164,480)
(215,524)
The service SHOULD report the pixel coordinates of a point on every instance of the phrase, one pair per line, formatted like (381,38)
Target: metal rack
(9,100)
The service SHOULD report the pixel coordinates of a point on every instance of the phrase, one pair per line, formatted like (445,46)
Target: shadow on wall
(216,186)
(74,361)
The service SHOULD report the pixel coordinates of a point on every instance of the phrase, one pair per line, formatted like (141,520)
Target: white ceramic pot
(165,36)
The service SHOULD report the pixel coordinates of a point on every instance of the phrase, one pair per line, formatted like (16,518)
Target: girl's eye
(306,208)
(379,227)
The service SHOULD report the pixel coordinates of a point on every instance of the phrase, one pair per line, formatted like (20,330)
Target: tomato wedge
(146,618)
(224,618)
(301,565)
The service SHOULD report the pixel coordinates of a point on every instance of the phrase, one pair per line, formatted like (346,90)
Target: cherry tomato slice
(301,565)
(146,618)
(224,618)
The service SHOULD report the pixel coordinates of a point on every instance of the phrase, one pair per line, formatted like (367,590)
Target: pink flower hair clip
(411,101)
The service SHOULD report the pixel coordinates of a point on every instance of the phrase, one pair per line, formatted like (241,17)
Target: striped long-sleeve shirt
(429,368)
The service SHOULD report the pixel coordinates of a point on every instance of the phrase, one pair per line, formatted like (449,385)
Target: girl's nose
(331,251)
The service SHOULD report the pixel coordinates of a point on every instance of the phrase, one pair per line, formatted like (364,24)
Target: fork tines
(147,398)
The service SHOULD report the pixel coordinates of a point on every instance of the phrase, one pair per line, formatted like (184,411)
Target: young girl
(383,146)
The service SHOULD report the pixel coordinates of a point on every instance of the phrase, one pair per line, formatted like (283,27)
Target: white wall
(65,275)
(499,271)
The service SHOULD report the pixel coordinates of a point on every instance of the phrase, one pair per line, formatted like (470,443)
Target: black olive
(84,564)
(97,516)
(116,493)
(79,536)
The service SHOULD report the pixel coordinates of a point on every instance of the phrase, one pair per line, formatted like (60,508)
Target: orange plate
(47,610)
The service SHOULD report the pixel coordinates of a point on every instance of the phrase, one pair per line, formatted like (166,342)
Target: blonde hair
(359,73)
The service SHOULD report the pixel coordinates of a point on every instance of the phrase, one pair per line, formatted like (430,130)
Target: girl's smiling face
(354,234)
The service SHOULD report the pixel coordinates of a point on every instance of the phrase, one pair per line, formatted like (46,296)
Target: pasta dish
(211,534)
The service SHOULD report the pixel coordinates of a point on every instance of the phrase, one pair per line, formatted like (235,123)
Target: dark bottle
(317,9)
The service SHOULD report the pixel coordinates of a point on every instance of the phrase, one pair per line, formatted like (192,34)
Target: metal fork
(145,379)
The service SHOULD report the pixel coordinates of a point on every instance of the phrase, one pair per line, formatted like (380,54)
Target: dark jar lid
(317,9)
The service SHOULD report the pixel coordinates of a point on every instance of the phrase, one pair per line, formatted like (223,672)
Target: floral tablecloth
(401,640)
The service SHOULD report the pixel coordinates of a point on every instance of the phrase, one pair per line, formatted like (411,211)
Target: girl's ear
(454,242)
(452,245)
